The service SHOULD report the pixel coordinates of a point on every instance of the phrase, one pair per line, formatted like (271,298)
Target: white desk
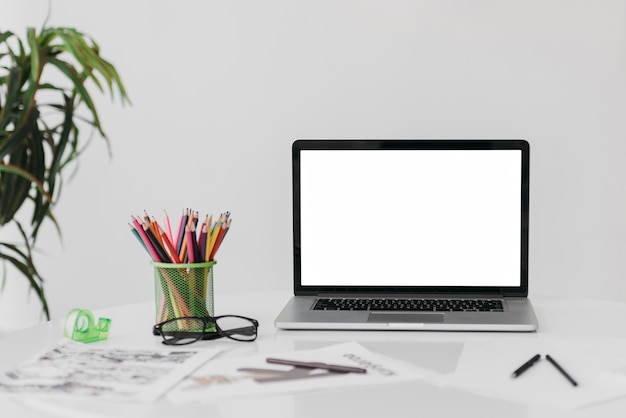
(435,350)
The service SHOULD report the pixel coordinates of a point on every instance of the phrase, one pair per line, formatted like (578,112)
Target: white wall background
(220,89)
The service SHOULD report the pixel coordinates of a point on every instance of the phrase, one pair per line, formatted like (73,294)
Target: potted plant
(44,106)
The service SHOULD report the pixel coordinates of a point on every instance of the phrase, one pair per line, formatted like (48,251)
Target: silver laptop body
(410,235)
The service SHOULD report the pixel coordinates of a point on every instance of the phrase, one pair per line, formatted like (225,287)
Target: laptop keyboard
(374,304)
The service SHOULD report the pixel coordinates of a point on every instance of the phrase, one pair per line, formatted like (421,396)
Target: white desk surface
(438,351)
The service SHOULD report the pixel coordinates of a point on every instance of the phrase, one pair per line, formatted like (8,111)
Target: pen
(317,365)
(526,365)
(559,368)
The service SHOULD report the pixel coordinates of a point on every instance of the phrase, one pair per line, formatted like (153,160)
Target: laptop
(410,235)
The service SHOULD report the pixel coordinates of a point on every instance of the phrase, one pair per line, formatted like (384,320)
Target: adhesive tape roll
(70,321)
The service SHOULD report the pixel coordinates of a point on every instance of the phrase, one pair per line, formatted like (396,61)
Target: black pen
(526,365)
(559,368)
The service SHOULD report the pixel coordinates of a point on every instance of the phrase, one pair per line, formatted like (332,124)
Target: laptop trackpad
(405,318)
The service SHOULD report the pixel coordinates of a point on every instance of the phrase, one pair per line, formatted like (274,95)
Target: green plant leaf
(118,82)
(37,146)
(64,136)
(5,35)
(21,134)
(15,188)
(38,169)
(14,85)
(84,55)
(35,63)
(21,172)
(71,73)
(23,263)
(86,52)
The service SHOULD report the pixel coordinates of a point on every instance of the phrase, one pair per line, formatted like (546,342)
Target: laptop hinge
(411,295)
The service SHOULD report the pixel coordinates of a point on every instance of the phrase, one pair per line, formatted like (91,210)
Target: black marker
(559,368)
(526,365)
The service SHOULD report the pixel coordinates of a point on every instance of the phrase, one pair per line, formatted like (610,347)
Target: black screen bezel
(351,144)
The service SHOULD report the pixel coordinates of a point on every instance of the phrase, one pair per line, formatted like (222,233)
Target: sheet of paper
(599,368)
(81,370)
(254,376)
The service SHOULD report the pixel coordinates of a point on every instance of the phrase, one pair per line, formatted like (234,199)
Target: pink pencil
(191,256)
(168,228)
(145,240)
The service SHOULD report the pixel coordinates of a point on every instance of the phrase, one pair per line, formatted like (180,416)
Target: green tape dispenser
(80,326)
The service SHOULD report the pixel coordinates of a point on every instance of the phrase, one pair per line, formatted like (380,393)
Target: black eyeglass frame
(203,335)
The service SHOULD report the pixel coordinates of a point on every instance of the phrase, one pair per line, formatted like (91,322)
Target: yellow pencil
(207,249)
(214,233)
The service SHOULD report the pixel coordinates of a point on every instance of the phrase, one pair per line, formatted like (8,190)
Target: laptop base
(518,316)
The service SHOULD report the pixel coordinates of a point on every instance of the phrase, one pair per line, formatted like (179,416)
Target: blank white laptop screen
(410,217)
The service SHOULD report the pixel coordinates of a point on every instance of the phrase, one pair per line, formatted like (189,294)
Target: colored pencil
(218,239)
(170,248)
(214,233)
(145,240)
(157,246)
(181,231)
(191,254)
(207,250)
(156,231)
(194,244)
(168,228)
(136,234)
(202,242)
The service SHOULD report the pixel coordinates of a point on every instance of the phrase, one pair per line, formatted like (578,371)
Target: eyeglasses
(187,330)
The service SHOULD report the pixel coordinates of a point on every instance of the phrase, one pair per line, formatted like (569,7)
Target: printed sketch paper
(253,376)
(74,369)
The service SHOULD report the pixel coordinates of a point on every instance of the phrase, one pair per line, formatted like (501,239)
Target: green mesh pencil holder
(183,290)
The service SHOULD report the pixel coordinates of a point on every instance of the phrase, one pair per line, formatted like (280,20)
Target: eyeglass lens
(237,328)
(182,331)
